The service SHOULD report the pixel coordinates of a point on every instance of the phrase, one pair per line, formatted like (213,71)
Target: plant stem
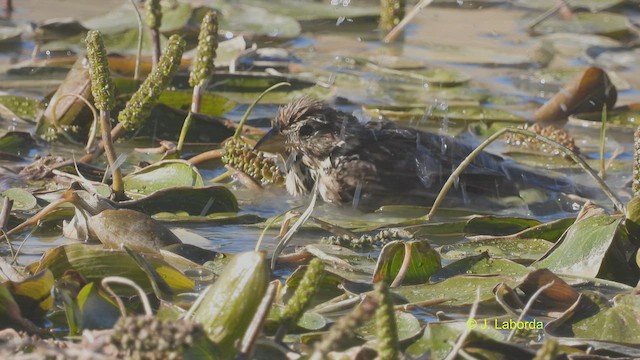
(136,73)
(196,99)
(253,105)
(455,174)
(155,47)
(117,185)
(183,132)
(603,132)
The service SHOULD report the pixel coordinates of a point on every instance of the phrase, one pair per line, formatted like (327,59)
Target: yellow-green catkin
(342,332)
(386,328)
(636,162)
(548,351)
(153,13)
(241,156)
(139,106)
(301,298)
(102,86)
(391,13)
(203,65)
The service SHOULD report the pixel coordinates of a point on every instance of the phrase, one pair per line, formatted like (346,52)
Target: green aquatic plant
(636,162)
(139,106)
(203,65)
(153,18)
(103,91)
(301,298)
(386,327)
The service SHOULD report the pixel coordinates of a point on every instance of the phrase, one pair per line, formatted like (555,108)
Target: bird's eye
(305,130)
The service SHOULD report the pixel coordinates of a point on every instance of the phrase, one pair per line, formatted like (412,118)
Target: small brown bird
(383,163)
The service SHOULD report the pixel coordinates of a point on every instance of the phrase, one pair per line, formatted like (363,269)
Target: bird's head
(313,128)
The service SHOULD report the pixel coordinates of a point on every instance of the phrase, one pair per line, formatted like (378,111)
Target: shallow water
(498,31)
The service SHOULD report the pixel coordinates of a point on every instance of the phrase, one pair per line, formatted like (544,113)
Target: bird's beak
(272,142)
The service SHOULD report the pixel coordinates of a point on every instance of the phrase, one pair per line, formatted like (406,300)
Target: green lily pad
(601,23)
(162,175)
(309,321)
(255,21)
(591,5)
(424,262)
(212,104)
(22,199)
(456,114)
(186,200)
(24,107)
(623,117)
(432,76)
(592,318)
(407,324)
(481,264)
(515,249)
(462,288)
(439,338)
(591,247)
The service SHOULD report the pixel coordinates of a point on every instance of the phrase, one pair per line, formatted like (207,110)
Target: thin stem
(397,30)
(155,47)
(528,306)
(222,176)
(196,99)
(463,165)
(117,184)
(254,329)
(136,73)
(603,133)
(253,105)
(183,132)
(124,281)
(406,261)
(206,156)
(467,329)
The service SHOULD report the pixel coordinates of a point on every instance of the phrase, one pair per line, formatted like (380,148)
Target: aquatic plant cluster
(146,253)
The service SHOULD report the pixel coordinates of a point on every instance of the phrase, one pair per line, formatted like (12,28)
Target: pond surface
(489,45)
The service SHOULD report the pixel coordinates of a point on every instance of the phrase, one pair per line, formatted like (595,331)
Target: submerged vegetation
(182,242)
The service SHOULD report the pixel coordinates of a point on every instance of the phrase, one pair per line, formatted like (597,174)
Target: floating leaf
(162,175)
(22,199)
(481,264)
(94,262)
(462,287)
(407,324)
(431,76)
(424,262)
(116,228)
(591,5)
(592,318)
(625,117)
(192,201)
(601,23)
(24,107)
(212,104)
(439,338)
(455,114)
(591,247)
(515,249)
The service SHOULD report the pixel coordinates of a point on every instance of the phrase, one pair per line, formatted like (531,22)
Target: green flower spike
(102,86)
(342,332)
(241,156)
(139,106)
(153,13)
(386,329)
(207,45)
(391,13)
(301,298)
